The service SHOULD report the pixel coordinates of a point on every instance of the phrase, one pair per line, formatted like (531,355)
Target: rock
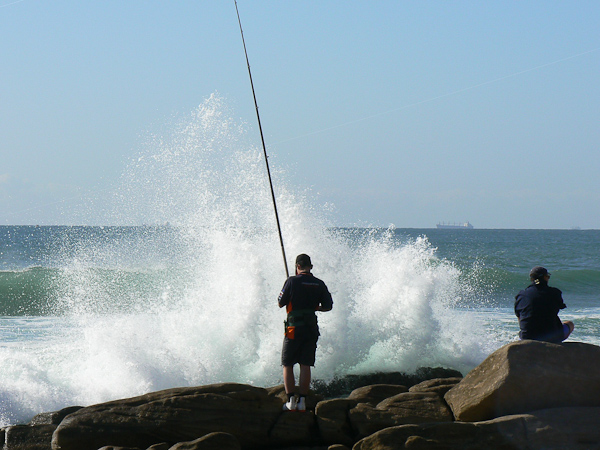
(438,385)
(161,446)
(295,428)
(552,429)
(172,416)
(409,407)
(333,421)
(28,437)
(300,447)
(342,386)
(212,441)
(311,399)
(417,442)
(53,417)
(110,447)
(528,375)
(384,415)
(375,393)
(447,436)
(572,428)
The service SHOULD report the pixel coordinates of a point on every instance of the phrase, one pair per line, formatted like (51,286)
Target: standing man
(537,308)
(302,295)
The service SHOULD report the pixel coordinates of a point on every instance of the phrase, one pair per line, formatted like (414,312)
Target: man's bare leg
(288,380)
(304,379)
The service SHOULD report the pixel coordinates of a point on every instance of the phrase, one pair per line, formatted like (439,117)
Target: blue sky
(396,112)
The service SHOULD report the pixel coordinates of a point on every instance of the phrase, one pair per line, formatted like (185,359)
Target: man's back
(305,292)
(537,307)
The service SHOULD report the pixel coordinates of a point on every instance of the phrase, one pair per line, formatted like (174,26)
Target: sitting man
(537,308)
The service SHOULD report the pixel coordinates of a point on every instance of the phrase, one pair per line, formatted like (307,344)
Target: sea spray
(397,311)
(186,294)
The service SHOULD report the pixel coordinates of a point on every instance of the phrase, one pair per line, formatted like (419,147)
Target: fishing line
(263,144)
(459,91)
(13,3)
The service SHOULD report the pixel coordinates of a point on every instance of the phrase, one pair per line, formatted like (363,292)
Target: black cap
(303,260)
(538,272)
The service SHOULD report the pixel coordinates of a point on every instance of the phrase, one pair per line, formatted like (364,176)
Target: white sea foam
(210,314)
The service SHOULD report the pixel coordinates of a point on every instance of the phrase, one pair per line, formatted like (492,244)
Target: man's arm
(284,295)
(516,308)
(326,303)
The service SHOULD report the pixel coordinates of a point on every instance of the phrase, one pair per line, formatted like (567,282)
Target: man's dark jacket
(537,308)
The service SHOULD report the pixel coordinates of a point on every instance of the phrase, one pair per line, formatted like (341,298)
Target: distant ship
(455,226)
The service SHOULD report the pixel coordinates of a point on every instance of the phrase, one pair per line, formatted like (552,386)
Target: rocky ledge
(526,395)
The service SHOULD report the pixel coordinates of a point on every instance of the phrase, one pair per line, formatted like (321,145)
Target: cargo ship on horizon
(455,226)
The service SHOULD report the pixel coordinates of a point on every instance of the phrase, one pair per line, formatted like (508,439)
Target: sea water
(182,290)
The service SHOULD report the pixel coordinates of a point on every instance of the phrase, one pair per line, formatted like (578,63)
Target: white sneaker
(301,404)
(291,404)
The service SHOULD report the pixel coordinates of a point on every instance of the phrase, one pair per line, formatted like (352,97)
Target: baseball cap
(538,272)
(303,260)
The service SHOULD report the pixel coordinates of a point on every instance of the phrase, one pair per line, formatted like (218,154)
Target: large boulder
(333,421)
(371,408)
(28,437)
(295,428)
(53,418)
(212,441)
(438,385)
(409,407)
(160,446)
(172,416)
(342,386)
(526,376)
(551,429)
(375,393)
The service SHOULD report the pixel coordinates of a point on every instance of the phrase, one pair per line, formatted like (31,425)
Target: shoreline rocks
(526,395)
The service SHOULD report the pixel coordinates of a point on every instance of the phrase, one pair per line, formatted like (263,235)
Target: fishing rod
(262,138)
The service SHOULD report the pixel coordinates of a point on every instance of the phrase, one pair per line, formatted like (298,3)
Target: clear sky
(397,112)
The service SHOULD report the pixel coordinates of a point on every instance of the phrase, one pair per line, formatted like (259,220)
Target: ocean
(91,314)
(183,291)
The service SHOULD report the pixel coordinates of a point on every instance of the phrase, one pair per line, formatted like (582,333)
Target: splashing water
(150,307)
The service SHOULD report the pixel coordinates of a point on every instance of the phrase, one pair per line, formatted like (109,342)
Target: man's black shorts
(299,351)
